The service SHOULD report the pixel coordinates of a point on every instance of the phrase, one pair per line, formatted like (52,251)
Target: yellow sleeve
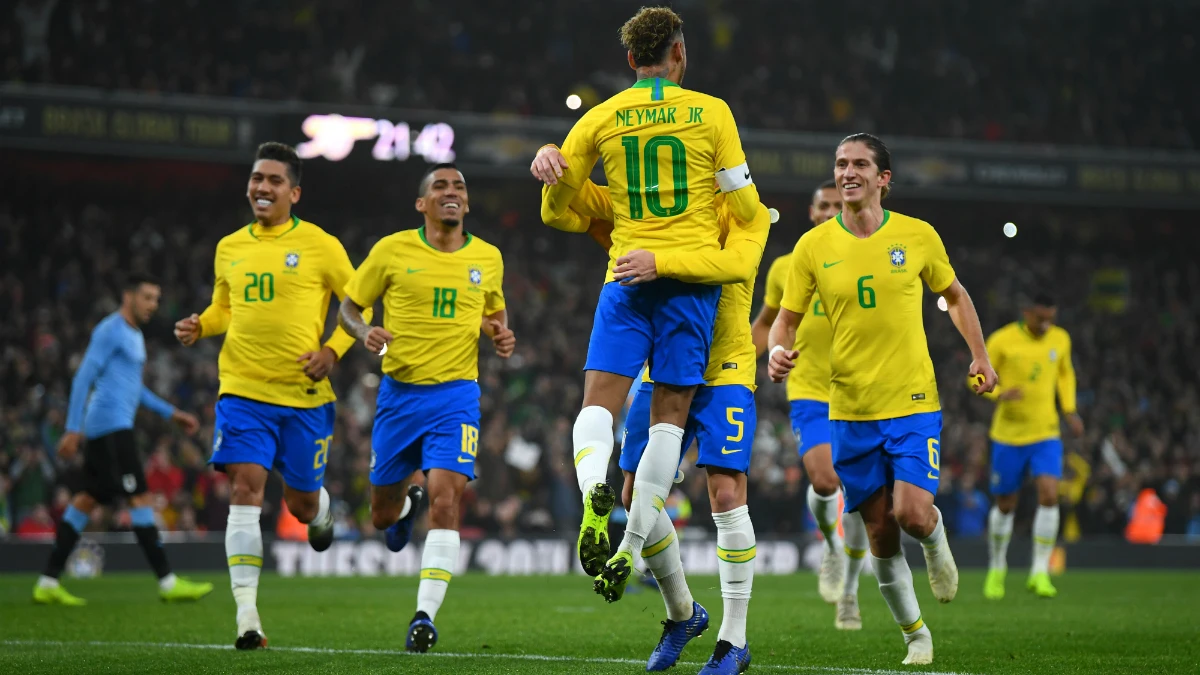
(996,355)
(776,282)
(592,201)
(801,283)
(1066,380)
(937,272)
(729,155)
(370,280)
(494,295)
(215,318)
(580,152)
(735,263)
(568,221)
(338,273)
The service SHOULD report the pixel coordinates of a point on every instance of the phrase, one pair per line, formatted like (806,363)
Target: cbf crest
(1053,355)
(475,275)
(898,256)
(291,260)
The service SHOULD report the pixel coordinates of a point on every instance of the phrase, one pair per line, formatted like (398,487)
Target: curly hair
(650,33)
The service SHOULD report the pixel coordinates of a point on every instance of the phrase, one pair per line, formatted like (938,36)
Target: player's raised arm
(733,175)
(733,264)
(579,154)
(365,286)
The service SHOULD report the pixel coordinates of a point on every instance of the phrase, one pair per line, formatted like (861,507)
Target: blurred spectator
(37,523)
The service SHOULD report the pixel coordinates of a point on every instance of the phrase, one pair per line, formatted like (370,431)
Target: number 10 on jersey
(634,173)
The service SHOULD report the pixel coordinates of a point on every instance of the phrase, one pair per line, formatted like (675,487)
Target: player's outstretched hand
(635,267)
(503,338)
(68,445)
(984,369)
(781,363)
(318,364)
(548,165)
(377,338)
(187,330)
(186,421)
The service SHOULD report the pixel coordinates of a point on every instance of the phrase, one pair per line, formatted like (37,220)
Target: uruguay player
(1033,359)
(273,282)
(105,396)
(808,397)
(722,418)
(657,141)
(440,285)
(868,265)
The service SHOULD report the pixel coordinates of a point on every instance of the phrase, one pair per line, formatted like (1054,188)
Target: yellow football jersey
(433,303)
(1040,368)
(809,380)
(661,146)
(271,299)
(871,292)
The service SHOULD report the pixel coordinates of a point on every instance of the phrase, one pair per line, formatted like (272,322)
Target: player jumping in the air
(722,418)
(1033,360)
(868,265)
(105,396)
(440,285)
(661,147)
(273,283)
(808,394)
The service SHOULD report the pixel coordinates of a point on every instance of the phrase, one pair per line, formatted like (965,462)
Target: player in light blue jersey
(105,396)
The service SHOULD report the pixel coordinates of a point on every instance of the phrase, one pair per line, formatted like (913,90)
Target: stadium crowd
(1103,72)
(1132,309)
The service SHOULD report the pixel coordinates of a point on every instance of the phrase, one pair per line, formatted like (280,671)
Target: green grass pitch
(1142,622)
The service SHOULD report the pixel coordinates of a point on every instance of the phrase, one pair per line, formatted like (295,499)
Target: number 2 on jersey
(634,174)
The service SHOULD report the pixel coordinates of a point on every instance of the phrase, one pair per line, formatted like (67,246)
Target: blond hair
(650,33)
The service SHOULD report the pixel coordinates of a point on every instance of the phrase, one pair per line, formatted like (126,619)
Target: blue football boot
(400,532)
(422,636)
(675,636)
(727,660)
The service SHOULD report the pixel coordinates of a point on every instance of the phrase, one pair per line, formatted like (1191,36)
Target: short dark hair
(650,33)
(883,156)
(1043,299)
(282,152)
(427,179)
(830,184)
(134,280)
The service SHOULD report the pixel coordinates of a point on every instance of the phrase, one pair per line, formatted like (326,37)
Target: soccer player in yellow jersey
(273,283)
(868,265)
(661,146)
(722,418)
(808,394)
(1033,360)
(440,285)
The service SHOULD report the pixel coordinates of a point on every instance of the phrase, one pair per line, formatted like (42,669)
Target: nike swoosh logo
(235,262)
(465,461)
(828,265)
(747,174)
(931,476)
(412,271)
(730,452)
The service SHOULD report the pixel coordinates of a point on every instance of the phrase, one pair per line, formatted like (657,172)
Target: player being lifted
(868,265)
(722,418)
(661,146)
(808,394)
(1033,359)
(273,283)
(440,285)
(105,396)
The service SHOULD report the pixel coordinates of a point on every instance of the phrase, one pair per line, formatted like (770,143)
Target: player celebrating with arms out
(868,265)
(274,279)
(808,394)
(440,284)
(105,396)
(1033,359)
(661,146)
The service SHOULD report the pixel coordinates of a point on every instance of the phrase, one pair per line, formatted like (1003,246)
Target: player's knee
(384,518)
(304,510)
(918,522)
(726,498)
(825,483)
(244,494)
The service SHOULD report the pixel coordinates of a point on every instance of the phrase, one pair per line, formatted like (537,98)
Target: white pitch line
(452,655)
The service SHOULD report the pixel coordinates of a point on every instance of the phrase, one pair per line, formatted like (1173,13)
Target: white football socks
(1045,534)
(939,533)
(896,585)
(592,438)
(1000,528)
(825,512)
(856,550)
(405,509)
(322,508)
(661,555)
(652,483)
(735,562)
(438,561)
(244,553)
